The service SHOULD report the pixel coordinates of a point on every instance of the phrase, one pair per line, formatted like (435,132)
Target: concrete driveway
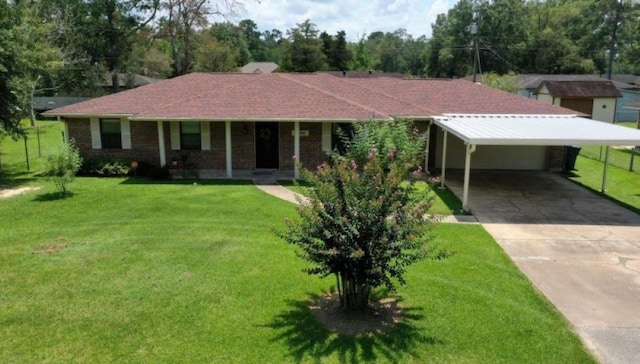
(580,250)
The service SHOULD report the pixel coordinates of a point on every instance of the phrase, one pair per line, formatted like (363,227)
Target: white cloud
(355,17)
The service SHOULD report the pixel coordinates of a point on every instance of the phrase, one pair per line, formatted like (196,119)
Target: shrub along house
(237,125)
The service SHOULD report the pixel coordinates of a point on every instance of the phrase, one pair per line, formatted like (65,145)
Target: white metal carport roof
(541,130)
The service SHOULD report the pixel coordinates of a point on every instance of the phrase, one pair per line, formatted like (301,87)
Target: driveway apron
(580,250)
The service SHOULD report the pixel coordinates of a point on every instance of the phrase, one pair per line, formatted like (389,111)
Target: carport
(528,130)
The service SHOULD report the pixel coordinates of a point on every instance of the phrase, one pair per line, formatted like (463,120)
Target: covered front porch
(243,149)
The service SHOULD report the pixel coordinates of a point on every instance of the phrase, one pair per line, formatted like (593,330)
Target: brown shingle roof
(582,89)
(221,96)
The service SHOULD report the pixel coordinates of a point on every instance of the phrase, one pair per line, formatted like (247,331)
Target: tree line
(67,47)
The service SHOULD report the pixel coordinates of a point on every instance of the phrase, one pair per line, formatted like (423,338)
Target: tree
(364,223)
(303,50)
(215,56)
(254,43)
(183,19)
(111,27)
(232,35)
(61,166)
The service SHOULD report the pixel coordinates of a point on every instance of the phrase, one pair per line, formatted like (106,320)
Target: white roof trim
(484,129)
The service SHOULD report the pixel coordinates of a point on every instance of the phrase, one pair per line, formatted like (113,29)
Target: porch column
(227,138)
(163,152)
(467,171)
(426,149)
(296,148)
(444,158)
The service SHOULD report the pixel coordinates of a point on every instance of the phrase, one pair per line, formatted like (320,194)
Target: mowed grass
(618,156)
(13,156)
(444,201)
(622,186)
(130,271)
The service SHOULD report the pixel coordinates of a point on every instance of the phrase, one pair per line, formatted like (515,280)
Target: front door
(267,145)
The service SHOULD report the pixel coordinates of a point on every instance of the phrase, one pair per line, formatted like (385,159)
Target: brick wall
(144,141)
(203,159)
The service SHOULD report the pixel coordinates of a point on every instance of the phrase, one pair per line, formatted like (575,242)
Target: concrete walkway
(272,187)
(580,250)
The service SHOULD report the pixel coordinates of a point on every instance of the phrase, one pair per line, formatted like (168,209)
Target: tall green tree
(110,29)
(232,35)
(182,19)
(302,52)
(450,48)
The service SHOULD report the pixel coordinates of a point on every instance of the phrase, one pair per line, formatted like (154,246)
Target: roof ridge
(335,96)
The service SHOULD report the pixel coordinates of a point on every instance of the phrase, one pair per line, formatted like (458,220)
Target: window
(341,134)
(110,133)
(190,135)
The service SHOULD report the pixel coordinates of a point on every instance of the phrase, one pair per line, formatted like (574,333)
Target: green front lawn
(130,271)
(13,154)
(622,186)
(444,201)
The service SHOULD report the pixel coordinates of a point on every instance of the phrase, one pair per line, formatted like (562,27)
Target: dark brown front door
(267,145)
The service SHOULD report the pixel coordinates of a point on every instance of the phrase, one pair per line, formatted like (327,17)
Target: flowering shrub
(362,223)
(61,166)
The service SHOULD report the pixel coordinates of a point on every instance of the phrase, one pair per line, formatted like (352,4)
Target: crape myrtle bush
(61,165)
(364,221)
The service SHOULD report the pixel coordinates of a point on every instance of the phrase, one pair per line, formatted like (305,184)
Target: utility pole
(473,29)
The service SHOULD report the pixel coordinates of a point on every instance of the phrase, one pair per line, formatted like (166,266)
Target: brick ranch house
(240,125)
(234,125)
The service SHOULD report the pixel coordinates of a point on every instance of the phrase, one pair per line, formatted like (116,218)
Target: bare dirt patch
(50,248)
(10,192)
(380,316)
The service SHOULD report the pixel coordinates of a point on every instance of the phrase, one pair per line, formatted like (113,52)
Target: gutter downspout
(467,171)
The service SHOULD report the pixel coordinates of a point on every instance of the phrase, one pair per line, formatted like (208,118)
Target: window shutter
(96,142)
(205,135)
(125,132)
(326,137)
(175,135)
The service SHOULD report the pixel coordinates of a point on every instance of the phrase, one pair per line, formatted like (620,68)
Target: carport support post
(227,139)
(467,172)
(444,158)
(163,153)
(426,149)
(296,148)
(603,189)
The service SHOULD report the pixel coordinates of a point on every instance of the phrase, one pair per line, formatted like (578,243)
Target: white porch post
(444,158)
(603,188)
(227,138)
(161,149)
(426,149)
(296,148)
(467,171)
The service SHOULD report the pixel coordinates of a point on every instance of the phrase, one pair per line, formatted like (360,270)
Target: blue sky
(355,17)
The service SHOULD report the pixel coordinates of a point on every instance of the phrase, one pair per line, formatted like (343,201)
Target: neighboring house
(626,84)
(237,124)
(259,67)
(595,99)
(46,103)
(127,81)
